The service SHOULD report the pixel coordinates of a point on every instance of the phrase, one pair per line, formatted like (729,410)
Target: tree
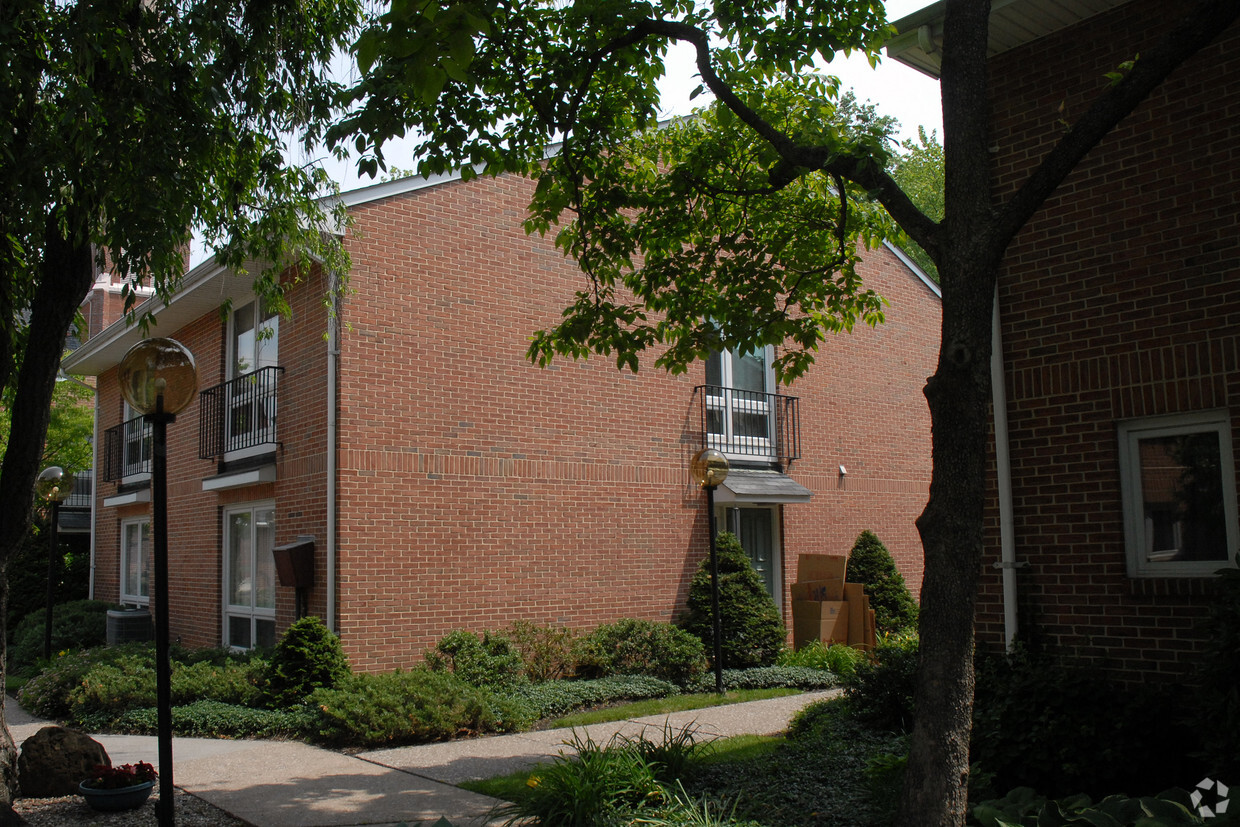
(662,220)
(870,563)
(127,125)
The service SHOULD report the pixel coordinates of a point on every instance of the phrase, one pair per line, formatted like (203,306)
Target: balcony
(748,425)
(239,415)
(127,450)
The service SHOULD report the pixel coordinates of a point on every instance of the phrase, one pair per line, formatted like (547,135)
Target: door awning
(745,485)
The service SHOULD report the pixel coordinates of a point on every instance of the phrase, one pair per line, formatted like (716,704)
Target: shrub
(641,647)
(1022,806)
(556,698)
(212,719)
(546,653)
(870,563)
(308,657)
(491,661)
(79,624)
(881,691)
(47,693)
(111,688)
(768,677)
(837,657)
(752,629)
(1215,712)
(410,707)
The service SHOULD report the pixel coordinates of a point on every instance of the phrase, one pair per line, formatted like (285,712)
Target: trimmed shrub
(546,653)
(870,563)
(837,657)
(556,698)
(752,629)
(768,677)
(641,647)
(79,624)
(490,662)
(212,719)
(409,708)
(881,691)
(47,693)
(308,657)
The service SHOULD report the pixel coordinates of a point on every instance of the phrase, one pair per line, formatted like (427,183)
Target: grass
(663,706)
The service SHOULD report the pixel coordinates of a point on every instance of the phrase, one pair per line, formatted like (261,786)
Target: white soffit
(1013,23)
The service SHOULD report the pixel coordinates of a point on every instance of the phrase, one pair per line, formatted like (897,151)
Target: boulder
(55,760)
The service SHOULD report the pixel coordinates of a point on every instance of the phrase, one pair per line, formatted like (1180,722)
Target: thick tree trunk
(64,280)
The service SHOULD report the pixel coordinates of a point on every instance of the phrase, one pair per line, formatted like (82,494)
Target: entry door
(755,527)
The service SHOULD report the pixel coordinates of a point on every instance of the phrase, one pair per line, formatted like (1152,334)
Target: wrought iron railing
(751,424)
(239,414)
(83,490)
(127,449)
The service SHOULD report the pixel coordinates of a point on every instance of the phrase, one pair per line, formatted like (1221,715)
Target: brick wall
(1119,300)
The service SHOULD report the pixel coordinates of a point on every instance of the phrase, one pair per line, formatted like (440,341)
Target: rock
(55,760)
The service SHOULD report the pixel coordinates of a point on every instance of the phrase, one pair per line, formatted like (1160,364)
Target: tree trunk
(64,280)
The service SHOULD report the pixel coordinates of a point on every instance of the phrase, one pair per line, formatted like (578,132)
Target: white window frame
(228,609)
(131,434)
(144,563)
(262,322)
(728,405)
(724,523)
(1136,528)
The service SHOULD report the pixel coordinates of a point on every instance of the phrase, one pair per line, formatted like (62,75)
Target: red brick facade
(475,489)
(1118,300)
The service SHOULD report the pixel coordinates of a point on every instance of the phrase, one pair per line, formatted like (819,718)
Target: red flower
(126,775)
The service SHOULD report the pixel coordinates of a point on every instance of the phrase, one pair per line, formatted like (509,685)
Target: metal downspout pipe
(333,363)
(1003,462)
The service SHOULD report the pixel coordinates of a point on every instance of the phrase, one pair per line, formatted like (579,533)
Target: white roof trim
(912,265)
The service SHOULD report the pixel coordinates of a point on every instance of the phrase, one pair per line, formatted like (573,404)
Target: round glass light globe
(708,468)
(54,484)
(155,367)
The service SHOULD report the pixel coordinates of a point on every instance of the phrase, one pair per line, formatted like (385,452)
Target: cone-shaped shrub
(308,657)
(753,631)
(870,563)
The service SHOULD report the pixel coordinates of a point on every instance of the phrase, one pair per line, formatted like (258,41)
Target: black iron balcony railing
(764,426)
(239,414)
(83,491)
(127,449)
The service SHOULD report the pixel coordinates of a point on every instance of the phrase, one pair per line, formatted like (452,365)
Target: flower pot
(122,798)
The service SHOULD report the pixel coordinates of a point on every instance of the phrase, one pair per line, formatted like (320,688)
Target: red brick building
(1119,342)
(444,482)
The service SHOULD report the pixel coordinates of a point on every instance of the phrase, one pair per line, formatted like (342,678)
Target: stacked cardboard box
(826,608)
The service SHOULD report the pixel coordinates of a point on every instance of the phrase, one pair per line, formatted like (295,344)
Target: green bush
(490,662)
(27,576)
(768,677)
(556,698)
(836,657)
(1022,807)
(752,629)
(641,647)
(308,657)
(410,707)
(881,691)
(212,719)
(47,693)
(546,653)
(870,563)
(79,624)
(1215,711)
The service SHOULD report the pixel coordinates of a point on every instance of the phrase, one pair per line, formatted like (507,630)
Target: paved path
(291,784)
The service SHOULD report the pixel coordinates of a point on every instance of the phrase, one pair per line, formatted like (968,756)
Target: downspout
(94,488)
(333,362)
(1003,462)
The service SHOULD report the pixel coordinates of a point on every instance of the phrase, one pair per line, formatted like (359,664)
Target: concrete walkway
(291,784)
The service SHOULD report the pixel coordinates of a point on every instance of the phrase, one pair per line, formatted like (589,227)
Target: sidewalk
(291,784)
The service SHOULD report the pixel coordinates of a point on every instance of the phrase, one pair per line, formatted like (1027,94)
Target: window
(1178,484)
(136,561)
(739,405)
(757,527)
(249,577)
(136,444)
(255,345)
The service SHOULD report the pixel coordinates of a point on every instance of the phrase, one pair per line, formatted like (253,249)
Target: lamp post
(55,486)
(709,468)
(158,379)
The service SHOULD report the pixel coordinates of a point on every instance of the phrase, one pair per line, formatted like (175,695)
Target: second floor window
(740,402)
(135,444)
(255,340)
(255,346)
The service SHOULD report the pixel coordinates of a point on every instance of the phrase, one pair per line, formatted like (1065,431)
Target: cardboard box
(825,620)
(821,567)
(858,605)
(818,590)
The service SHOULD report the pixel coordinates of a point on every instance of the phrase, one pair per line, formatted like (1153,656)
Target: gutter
(1003,462)
(333,366)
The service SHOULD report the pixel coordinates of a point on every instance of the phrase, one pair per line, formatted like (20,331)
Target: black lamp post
(709,468)
(158,379)
(55,486)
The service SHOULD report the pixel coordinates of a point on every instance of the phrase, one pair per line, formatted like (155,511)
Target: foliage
(765,677)
(1064,729)
(752,629)
(307,657)
(46,695)
(881,691)
(918,169)
(556,698)
(490,662)
(546,652)
(70,429)
(870,563)
(211,719)
(836,657)
(80,624)
(410,707)
(1022,807)
(1215,711)
(641,647)
(104,777)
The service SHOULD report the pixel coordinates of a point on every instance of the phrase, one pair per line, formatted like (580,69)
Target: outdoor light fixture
(55,486)
(158,379)
(709,468)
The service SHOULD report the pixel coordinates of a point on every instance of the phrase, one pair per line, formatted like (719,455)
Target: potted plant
(119,788)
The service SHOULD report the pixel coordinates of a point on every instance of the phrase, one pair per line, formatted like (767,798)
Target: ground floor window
(249,576)
(758,530)
(136,561)
(1178,481)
